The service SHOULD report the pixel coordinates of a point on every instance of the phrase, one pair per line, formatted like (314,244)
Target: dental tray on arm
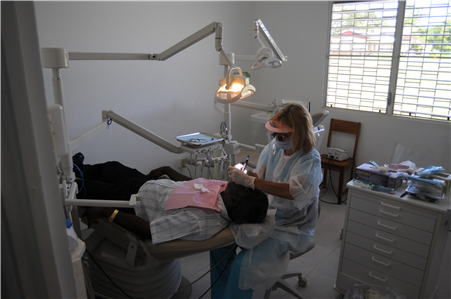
(198,139)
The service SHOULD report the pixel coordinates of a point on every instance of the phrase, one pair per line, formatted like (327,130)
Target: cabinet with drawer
(392,242)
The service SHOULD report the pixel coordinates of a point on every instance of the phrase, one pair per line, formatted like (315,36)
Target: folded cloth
(250,235)
(200,193)
(201,188)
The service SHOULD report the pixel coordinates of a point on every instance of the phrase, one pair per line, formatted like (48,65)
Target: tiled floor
(319,265)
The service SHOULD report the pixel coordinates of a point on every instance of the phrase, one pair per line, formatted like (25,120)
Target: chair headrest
(317,118)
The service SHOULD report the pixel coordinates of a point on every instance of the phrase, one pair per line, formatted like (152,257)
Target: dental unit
(216,155)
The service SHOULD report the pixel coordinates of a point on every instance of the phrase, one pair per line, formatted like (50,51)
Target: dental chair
(138,267)
(317,118)
(144,270)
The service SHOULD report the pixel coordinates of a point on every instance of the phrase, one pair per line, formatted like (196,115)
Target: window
(391,57)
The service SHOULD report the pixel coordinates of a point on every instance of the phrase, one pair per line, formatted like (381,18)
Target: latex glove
(240,178)
(240,167)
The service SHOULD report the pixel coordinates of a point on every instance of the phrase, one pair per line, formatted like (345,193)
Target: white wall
(161,96)
(147,92)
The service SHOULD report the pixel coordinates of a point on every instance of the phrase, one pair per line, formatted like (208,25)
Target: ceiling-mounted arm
(258,24)
(214,27)
(194,38)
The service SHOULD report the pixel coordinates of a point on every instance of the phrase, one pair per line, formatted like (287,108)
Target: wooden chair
(343,126)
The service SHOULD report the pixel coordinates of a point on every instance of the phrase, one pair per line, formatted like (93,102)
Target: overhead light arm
(214,27)
(58,57)
(258,24)
(269,55)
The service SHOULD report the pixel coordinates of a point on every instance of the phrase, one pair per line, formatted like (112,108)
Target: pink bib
(189,195)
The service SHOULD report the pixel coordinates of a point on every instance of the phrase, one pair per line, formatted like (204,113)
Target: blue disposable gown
(295,220)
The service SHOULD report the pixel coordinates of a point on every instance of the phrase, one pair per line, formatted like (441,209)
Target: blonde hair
(297,117)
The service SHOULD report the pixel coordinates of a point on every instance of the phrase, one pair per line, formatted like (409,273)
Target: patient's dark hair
(251,205)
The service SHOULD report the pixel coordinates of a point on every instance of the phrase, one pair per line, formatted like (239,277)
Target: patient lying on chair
(169,209)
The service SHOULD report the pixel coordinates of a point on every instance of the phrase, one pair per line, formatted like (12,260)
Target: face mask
(285,145)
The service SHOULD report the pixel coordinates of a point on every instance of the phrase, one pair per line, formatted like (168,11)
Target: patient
(150,220)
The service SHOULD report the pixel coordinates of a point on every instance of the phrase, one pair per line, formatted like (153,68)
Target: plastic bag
(401,153)
(425,190)
(426,172)
(370,291)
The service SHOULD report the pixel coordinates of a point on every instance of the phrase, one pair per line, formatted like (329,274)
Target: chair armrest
(181,248)
(111,231)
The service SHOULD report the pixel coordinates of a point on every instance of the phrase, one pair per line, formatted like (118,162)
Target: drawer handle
(384,238)
(378,278)
(388,213)
(390,206)
(380,262)
(382,250)
(387,226)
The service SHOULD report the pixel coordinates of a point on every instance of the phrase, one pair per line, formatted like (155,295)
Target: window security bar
(423,113)
(425,105)
(423,88)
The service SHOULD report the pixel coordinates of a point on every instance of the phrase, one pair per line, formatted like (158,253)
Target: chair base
(281,283)
(146,278)
(184,291)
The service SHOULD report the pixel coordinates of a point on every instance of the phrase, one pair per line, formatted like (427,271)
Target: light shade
(233,88)
(265,57)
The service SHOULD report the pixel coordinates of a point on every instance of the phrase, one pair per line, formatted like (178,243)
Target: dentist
(289,171)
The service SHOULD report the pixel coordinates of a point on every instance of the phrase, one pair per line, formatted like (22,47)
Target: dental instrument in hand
(245,164)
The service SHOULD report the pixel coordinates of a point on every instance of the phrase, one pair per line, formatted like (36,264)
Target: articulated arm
(259,24)
(58,58)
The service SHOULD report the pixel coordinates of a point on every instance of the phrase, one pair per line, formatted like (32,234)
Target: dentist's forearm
(276,189)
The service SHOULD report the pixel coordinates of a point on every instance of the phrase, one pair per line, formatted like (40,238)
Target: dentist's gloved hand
(240,178)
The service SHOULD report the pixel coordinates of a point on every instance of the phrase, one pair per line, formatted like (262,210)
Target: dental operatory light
(234,87)
(266,56)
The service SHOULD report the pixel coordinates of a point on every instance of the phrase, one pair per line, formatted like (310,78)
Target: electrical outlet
(182,163)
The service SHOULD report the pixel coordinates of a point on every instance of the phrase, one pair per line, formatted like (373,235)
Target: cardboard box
(445,177)
(366,173)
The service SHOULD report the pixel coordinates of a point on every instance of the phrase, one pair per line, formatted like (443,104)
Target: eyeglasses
(281,136)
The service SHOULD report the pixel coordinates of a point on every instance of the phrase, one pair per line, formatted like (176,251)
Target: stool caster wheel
(302,282)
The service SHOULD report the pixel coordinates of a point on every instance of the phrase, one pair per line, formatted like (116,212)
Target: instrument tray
(198,139)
